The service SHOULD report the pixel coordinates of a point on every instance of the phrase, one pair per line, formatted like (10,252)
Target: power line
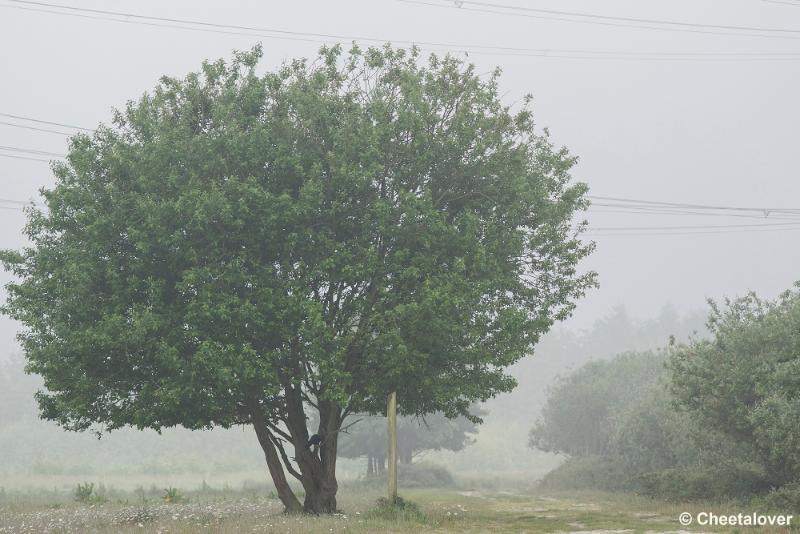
(128,20)
(601,23)
(632,210)
(20,117)
(764,210)
(658,210)
(517,10)
(702,232)
(784,2)
(31,151)
(690,227)
(24,157)
(231,29)
(16,205)
(654,207)
(34,128)
(13,201)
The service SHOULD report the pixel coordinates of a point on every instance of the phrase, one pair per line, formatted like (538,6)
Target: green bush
(86,493)
(703,482)
(83,492)
(785,499)
(745,382)
(589,472)
(714,419)
(399,509)
(606,473)
(172,495)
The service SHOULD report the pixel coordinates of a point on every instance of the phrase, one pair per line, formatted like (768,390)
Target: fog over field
(683,116)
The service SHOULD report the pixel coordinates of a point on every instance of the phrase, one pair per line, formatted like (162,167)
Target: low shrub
(589,472)
(702,482)
(785,499)
(86,493)
(399,509)
(172,495)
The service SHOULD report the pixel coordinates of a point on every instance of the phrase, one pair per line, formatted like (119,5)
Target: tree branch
(286,461)
(344,428)
(281,433)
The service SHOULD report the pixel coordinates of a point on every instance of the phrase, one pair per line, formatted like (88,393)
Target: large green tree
(246,248)
(745,382)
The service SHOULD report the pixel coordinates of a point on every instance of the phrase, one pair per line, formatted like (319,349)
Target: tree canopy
(240,248)
(745,382)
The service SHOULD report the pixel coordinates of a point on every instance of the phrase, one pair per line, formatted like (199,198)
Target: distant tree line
(715,417)
(415,437)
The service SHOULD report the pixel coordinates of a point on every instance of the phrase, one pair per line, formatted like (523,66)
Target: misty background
(657,113)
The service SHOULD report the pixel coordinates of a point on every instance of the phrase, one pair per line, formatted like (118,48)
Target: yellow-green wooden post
(391,415)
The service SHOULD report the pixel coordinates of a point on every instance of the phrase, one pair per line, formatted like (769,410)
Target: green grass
(444,511)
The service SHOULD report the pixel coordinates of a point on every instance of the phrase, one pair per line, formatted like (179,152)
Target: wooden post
(391,415)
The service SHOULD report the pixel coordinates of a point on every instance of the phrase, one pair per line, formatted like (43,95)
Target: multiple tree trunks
(314,467)
(376,465)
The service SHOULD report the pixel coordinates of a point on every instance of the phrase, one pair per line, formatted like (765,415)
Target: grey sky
(719,132)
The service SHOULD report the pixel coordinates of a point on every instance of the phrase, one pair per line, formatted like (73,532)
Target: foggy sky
(708,132)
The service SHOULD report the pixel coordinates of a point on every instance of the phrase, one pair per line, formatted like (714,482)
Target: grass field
(446,510)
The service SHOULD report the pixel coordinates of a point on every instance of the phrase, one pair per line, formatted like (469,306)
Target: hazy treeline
(33,446)
(562,351)
(497,447)
(415,437)
(714,417)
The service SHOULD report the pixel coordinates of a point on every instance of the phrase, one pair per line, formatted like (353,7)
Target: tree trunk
(370,467)
(315,468)
(380,465)
(285,493)
(321,492)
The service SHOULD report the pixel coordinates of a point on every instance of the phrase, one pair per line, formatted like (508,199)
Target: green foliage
(745,382)
(739,480)
(172,495)
(83,492)
(721,419)
(650,434)
(638,440)
(86,493)
(785,499)
(239,248)
(589,472)
(398,510)
(230,230)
